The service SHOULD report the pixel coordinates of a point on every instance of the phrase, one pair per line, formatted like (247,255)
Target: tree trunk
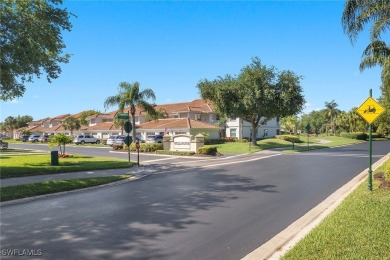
(254,132)
(133,123)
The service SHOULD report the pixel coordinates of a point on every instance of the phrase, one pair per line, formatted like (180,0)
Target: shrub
(214,141)
(104,141)
(230,139)
(386,173)
(146,147)
(357,135)
(211,150)
(376,135)
(180,153)
(289,138)
(244,140)
(117,147)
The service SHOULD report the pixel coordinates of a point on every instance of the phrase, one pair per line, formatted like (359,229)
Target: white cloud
(14,102)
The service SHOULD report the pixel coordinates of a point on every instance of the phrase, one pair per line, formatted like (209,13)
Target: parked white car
(154,139)
(34,138)
(83,139)
(112,139)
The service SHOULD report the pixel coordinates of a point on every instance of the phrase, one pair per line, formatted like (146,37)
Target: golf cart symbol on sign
(370,109)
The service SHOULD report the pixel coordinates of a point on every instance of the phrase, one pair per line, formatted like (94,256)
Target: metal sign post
(370,110)
(128,127)
(308,128)
(137,147)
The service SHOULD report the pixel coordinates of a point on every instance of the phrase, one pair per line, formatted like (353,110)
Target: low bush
(230,139)
(376,135)
(387,172)
(180,153)
(214,141)
(289,138)
(104,141)
(357,135)
(211,150)
(146,147)
(244,140)
(117,147)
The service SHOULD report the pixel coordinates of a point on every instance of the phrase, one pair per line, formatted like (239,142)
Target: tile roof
(106,126)
(59,118)
(197,105)
(105,115)
(176,123)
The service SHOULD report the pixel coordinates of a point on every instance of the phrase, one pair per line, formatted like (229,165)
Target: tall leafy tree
(289,123)
(374,13)
(71,123)
(31,43)
(85,114)
(131,96)
(10,124)
(258,94)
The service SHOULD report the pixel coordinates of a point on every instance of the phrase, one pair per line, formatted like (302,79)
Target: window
(198,117)
(233,132)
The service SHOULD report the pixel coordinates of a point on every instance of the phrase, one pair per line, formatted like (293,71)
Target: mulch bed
(384,184)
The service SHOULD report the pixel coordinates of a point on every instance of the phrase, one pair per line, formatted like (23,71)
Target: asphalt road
(198,211)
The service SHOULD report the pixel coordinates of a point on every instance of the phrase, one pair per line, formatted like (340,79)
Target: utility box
(54,158)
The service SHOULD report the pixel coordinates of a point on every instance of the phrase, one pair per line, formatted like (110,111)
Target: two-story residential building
(191,117)
(236,127)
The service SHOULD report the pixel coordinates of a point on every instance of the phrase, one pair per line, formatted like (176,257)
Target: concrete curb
(277,246)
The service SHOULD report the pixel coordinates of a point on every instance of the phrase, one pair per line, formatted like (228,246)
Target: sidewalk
(135,170)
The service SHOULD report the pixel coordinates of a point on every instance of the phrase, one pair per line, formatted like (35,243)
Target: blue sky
(169,46)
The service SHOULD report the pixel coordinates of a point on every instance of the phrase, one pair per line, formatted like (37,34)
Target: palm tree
(357,14)
(221,123)
(160,113)
(331,111)
(10,124)
(70,123)
(130,95)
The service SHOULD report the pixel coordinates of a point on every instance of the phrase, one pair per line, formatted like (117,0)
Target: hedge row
(144,147)
(181,153)
(289,138)
(207,150)
(357,136)
(224,140)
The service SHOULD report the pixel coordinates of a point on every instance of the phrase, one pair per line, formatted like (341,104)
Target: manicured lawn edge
(357,229)
(50,187)
(287,239)
(38,164)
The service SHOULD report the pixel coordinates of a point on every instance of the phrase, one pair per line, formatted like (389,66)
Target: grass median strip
(272,143)
(31,164)
(358,229)
(50,187)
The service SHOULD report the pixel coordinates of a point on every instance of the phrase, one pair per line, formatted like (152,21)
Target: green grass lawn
(48,187)
(17,163)
(358,229)
(271,143)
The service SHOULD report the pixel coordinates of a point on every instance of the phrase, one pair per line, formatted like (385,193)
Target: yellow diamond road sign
(370,110)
